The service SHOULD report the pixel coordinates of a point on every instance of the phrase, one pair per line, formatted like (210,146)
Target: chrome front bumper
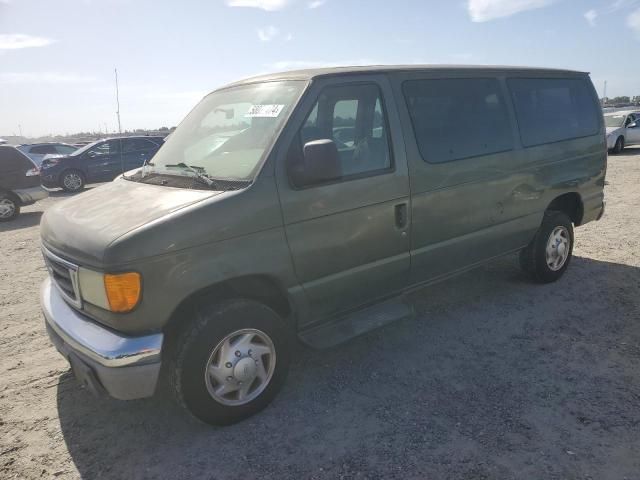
(125,367)
(31,195)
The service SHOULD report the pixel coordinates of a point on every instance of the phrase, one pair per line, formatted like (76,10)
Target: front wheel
(548,255)
(72,181)
(9,209)
(619,146)
(231,361)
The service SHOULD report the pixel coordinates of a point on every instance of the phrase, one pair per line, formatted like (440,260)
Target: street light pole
(118,102)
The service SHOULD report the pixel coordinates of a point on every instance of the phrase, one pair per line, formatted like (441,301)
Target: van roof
(309,74)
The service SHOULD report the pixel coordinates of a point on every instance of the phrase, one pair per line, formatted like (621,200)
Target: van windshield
(226,135)
(614,120)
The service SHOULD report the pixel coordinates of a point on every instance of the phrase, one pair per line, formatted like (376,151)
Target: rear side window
(12,161)
(137,145)
(458,118)
(553,109)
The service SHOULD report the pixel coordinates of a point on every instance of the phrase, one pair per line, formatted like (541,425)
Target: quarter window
(553,109)
(354,119)
(458,118)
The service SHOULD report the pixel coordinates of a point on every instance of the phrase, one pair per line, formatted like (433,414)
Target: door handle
(401,215)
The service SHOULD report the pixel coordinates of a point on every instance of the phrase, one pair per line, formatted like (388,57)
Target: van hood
(82,227)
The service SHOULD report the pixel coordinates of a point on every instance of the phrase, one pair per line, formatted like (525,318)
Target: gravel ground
(495,378)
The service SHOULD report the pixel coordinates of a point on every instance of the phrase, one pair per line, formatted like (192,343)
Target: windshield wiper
(203,177)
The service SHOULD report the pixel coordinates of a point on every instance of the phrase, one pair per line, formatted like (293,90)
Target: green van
(306,205)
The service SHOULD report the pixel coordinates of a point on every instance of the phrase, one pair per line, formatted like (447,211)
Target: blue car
(101,161)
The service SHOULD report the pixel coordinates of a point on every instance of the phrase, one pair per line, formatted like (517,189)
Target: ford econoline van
(305,205)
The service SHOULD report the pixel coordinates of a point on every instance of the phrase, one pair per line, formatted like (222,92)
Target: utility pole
(20,128)
(118,102)
(604,95)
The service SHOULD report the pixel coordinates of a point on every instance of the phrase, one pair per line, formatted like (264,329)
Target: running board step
(362,321)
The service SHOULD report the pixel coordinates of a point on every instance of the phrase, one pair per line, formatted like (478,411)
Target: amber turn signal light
(123,290)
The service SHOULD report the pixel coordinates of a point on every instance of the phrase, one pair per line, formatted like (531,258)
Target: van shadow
(450,391)
(24,220)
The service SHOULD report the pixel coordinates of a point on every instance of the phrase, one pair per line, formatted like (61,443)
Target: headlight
(117,292)
(50,162)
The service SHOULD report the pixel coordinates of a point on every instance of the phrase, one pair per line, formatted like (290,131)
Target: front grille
(64,275)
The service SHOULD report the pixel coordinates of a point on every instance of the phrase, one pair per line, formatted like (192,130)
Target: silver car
(37,151)
(623,129)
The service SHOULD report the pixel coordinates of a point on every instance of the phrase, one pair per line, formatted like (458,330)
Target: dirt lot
(495,378)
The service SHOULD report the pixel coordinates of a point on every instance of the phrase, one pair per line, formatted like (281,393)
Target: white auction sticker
(270,111)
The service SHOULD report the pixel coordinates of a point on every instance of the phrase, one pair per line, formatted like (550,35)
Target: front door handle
(401,215)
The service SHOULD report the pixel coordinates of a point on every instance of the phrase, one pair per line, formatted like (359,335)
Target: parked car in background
(623,129)
(37,151)
(253,224)
(99,161)
(19,182)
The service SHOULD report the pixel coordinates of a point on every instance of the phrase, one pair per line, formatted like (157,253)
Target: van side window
(352,116)
(458,118)
(553,109)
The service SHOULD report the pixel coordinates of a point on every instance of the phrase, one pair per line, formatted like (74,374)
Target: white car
(623,129)
(37,151)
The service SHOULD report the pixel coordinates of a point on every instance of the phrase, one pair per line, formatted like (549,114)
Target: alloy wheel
(7,208)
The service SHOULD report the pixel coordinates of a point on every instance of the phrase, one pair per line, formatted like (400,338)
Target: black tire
(75,186)
(533,258)
(619,146)
(213,323)
(9,207)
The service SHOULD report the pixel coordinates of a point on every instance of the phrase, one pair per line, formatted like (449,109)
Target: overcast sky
(57,56)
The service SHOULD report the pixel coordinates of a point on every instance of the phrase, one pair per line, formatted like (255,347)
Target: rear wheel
(72,181)
(9,208)
(548,255)
(619,146)
(231,361)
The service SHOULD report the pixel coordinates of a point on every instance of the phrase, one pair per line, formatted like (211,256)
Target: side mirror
(633,125)
(321,162)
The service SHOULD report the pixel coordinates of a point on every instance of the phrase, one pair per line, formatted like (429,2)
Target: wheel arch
(569,203)
(12,195)
(73,169)
(260,288)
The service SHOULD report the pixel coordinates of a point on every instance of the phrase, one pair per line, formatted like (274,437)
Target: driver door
(633,132)
(103,161)
(347,236)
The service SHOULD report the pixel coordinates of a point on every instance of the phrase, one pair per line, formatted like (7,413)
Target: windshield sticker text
(268,111)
